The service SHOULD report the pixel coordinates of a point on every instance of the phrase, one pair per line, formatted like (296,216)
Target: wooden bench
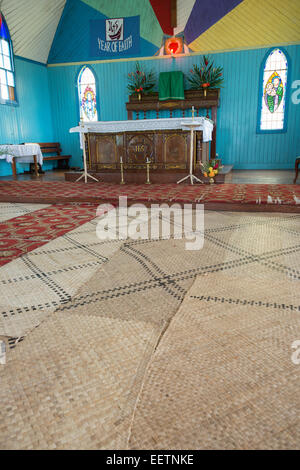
(62,160)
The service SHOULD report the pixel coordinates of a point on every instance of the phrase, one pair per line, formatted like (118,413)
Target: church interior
(149,225)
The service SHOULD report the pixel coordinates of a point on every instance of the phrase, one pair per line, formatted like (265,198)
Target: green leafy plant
(140,82)
(206,75)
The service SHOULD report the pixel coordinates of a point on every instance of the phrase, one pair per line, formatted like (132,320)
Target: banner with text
(115,37)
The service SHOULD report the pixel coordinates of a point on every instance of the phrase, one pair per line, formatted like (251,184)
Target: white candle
(121,160)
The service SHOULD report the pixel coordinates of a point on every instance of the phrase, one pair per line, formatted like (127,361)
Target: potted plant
(140,82)
(205,76)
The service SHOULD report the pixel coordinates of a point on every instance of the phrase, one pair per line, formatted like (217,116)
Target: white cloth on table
(205,125)
(24,153)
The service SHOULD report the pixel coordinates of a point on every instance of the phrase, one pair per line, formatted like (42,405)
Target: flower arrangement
(206,76)
(140,81)
(210,169)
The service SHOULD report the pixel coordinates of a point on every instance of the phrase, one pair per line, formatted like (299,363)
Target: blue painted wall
(30,120)
(72,39)
(237,140)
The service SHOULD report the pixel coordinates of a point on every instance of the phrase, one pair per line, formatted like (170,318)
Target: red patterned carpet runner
(27,232)
(76,204)
(63,192)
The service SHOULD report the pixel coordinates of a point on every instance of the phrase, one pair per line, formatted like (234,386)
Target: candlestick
(193,112)
(122,171)
(148,171)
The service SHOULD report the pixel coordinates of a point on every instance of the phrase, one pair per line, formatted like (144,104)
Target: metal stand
(190,176)
(85,173)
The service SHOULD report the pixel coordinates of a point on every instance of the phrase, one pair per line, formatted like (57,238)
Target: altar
(164,142)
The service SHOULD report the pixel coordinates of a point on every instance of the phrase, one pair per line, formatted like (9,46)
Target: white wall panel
(184,8)
(32,25)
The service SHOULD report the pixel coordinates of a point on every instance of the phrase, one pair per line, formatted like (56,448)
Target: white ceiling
(184,8)
(32,25)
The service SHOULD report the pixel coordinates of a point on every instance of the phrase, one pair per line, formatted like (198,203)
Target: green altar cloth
(170,86)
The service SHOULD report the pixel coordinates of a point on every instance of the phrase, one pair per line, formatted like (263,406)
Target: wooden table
(14,166)
(25,153)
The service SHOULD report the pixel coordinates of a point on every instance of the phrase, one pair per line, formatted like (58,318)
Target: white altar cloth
(24,153)
(205,125)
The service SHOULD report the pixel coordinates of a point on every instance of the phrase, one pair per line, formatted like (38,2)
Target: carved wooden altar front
(166,150)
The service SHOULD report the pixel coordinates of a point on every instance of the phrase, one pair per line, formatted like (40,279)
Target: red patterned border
(63,192)
(30,231)
(27,232)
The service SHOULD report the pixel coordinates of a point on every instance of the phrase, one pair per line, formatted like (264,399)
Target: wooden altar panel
(138,147)
(106,152)
(168,150)
(176,152)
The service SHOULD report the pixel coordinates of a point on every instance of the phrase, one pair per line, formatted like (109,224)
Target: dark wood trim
(14,167)
(36,168)
(297,163)
(57,157)
(213,148)
(194,98)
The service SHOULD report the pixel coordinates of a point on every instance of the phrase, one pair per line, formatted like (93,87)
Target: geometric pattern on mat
(52,192)
(81,372)
(9,210)
(222,376)
(22,234)
(36,283)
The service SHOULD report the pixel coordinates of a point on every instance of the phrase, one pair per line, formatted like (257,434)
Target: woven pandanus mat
(70,384)
(222,376)
(76,379)
(36,284)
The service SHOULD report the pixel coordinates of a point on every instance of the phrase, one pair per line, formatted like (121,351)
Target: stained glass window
(87,95)
(7,76)
(274,91)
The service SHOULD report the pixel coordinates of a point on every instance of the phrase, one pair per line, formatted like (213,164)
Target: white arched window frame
(273,93)
(87,95)
(7,71)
